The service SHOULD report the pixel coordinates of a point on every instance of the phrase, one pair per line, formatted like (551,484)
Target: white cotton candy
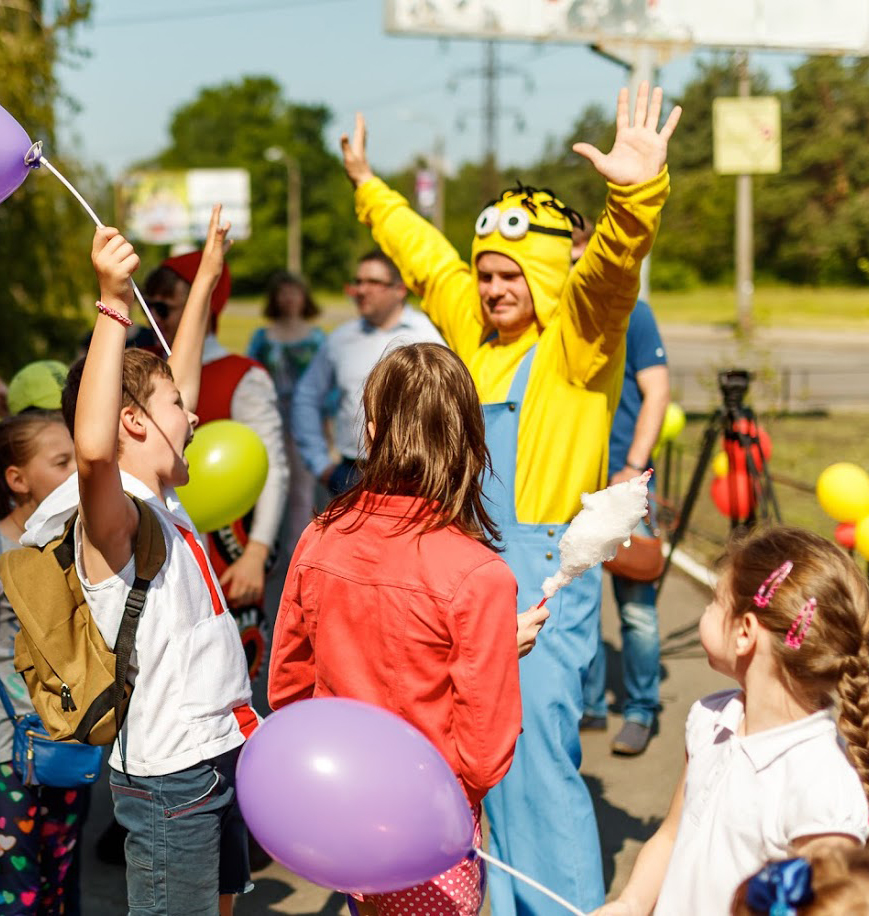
(607,519)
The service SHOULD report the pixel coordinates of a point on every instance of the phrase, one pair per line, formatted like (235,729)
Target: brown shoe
(632,739)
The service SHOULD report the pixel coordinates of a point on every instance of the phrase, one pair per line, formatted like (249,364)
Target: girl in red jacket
(395,595)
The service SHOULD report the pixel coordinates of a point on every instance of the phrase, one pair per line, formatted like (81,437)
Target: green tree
(230,126)
(44,235)
(814,215)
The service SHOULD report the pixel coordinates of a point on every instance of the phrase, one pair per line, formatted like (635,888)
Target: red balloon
(845,535)
(736,452)
(733,490)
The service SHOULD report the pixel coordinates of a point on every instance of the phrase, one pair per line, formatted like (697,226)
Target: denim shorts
(187,842)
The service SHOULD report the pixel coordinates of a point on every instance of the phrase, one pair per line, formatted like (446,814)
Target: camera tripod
(737,423)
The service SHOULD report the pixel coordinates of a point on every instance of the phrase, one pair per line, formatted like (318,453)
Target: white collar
(52,514)
(763,748)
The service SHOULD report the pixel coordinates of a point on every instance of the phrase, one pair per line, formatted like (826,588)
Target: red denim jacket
(422,624)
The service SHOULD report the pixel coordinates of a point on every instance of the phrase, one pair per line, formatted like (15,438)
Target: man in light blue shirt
(342,364)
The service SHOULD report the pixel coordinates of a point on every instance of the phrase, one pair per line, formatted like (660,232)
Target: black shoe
(632,739)
(110,844)
(592,723)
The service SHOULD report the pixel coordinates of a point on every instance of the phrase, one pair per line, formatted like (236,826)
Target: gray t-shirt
(12,681)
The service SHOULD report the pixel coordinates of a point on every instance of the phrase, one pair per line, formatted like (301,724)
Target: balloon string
(518,874)
(99,224)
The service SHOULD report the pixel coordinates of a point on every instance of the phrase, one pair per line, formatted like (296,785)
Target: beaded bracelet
(107,310)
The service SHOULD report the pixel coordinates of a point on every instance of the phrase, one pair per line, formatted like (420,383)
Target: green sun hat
(38,385)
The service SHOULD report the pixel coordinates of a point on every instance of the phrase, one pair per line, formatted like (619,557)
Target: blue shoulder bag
(39,761)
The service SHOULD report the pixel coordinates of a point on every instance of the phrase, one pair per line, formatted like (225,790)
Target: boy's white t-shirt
(192,690)
(748,798)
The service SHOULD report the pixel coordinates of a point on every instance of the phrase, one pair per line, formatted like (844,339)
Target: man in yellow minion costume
(545,345)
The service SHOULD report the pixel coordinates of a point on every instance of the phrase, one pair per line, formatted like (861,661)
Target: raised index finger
(359,135)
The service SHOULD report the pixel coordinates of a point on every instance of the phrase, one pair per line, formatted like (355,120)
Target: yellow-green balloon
(228,467)
(861,537)
(843,492)
(674,423)
(720,464)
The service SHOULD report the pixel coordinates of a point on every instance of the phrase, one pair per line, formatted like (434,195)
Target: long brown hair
(277,281)
(429,441)
(834,654)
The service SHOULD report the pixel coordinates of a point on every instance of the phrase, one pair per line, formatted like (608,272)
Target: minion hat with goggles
(533,228)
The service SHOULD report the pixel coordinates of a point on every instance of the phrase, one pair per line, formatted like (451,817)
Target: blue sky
(147,59)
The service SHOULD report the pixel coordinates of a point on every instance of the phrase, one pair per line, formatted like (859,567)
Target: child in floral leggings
(39,826)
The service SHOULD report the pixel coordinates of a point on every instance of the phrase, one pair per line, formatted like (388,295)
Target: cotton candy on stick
(607,519)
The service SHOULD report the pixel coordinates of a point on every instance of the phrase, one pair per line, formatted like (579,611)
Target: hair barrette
(771,584)
(797,633)
(779,888)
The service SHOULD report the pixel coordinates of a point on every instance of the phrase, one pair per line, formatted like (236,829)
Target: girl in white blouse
(766,772)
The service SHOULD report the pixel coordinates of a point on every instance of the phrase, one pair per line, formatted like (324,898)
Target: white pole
(642,58)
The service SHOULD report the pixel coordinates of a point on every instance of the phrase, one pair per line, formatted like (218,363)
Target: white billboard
(834,26)
(171,207)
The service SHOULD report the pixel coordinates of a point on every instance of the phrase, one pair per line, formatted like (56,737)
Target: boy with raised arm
(173,765)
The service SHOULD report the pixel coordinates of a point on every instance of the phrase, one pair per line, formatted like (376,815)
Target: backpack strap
(7,703)
(150,555)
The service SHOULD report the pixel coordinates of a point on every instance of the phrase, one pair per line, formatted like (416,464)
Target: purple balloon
(351,797)
(14,146)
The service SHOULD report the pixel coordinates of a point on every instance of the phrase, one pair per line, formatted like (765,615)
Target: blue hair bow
(777,889)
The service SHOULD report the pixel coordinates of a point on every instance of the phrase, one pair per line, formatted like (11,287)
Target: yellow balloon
(861,537)
(228,467)
(843,491)
(720,465)
(674,423)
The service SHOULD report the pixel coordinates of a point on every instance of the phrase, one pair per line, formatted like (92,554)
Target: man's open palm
(640,149)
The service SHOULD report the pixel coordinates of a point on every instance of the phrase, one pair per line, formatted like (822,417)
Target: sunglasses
(159,308)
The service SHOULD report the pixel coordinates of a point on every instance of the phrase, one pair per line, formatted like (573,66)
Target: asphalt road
(795,369)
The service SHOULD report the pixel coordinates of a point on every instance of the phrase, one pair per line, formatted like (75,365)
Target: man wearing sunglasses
(341,365)
(545,345)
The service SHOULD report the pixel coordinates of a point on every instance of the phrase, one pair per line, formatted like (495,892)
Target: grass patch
(788,307)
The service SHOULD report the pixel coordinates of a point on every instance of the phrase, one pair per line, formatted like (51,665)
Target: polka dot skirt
(457,892)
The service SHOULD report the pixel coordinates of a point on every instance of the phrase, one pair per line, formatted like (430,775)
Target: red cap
(186,265)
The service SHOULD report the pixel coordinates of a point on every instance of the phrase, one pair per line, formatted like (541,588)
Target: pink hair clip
(801,624)
(772,583)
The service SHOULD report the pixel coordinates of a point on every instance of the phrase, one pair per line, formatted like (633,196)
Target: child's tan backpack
(78,685)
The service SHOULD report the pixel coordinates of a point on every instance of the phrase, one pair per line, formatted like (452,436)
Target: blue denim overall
(541,816)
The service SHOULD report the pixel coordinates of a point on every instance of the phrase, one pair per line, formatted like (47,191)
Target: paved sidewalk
(631,795)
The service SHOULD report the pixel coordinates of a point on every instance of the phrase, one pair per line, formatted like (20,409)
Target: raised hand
(355,159)
(640,149)
(115,261)
(216,245)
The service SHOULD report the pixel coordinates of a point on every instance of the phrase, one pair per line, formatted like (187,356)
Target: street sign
(746,135)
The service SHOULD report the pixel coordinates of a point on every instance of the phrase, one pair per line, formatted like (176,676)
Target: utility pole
(490,121)
(491,111)
(744,240)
